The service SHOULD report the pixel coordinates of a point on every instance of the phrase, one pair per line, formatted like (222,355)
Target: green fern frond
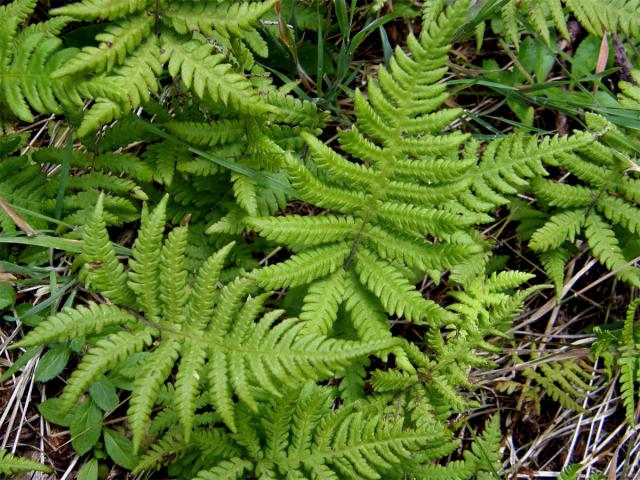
(410,181)
(596,16)
(107,353)
(145,263)
(486,451)
(606,249)
(321,303)
(76,323)
(396,293)
(565,381)
(101,9)
(27,60)
(104,271)
(304,267)
(235,19)
(12,465)
(308,439)
(554,262)
(210,333)
(153,374)
(607,15)
(209,75)
(127,88)
(628,362)
(559,228)
(116,43)
(208,134)
(570,473)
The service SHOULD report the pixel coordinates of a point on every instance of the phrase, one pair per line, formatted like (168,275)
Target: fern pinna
(211,333)
(302,436)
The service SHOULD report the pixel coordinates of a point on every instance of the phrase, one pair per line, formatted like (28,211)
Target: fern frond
(70,323)
(280,353)
(205,287)
(174,276)
(303,267)
(560,227)
(145,262)
(235,19)
(209,75)
(12,465)
(294,230)
(628,362)
(127,88)
(570,473)
(210,134)
(486,450)
(146,386)
(320,306)
(395,292)
(563,380)
(187,383)
(116,43)
(562,195)
(107,353)
(104,271)
(25,72)
(606,249)
(306,439)
(225,470)
(607,15)
(554,262)
(100,9)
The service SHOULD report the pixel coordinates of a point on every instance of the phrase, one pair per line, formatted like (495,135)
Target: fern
(378,217)
(12,465)
(145,37)
(27,59)
(598,202)
(596,16)
(305,437)
(212,332)
(565,381)
(628,362)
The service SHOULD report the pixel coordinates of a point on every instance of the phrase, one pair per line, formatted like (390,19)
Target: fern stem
(358,239)
(157,15)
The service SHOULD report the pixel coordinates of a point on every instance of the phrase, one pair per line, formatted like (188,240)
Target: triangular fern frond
(211,333)
(379,215)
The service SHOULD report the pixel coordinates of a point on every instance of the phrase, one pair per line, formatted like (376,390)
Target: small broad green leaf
(50,410)
(120,449)
(89,470)
(586,57)
(85,426)
(536,57)
(53,362)
(7,295)
(104,394)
